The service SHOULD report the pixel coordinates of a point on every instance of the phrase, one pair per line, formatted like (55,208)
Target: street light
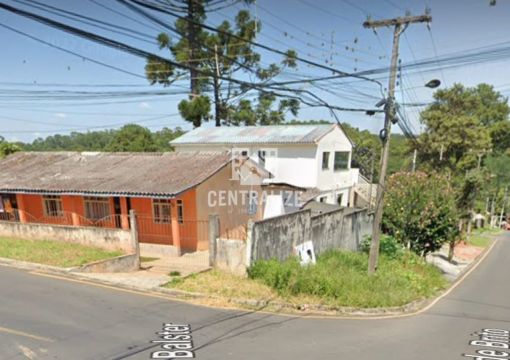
(432,84)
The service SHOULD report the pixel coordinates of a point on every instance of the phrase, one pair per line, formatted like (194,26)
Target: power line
(80,128)
(145,54)
(72,52)
(324,11)
(71,85)
(124,15)
(89,21)
(262,46)
(435,53)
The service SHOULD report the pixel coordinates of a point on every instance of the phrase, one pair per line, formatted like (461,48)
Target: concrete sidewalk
(464,255)
(157,270)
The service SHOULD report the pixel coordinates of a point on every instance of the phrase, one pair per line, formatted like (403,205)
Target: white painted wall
(329,178)
(292,164)
(300,164)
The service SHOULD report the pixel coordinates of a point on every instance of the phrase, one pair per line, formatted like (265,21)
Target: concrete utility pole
(414,159)
(400,24)
(503,207)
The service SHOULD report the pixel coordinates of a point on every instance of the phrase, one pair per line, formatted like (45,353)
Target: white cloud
(144,105)
(61,115)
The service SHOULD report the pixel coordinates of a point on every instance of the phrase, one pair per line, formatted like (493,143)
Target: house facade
(313,157)
(172,194)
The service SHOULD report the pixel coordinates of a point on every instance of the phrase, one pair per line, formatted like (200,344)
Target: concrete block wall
(105,238)
(276,237)
(231,256)
(339,229)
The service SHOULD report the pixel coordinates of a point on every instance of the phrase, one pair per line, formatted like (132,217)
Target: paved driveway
(50,318)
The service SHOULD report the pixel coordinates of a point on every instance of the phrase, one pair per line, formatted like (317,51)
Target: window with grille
(161,211)
(97,208)
(180,211)
(53,206)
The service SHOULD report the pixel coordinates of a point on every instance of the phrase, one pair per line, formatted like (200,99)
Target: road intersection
(42,317)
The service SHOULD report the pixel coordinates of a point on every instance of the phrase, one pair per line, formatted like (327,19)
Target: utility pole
(414,159)
(400,24)
(216,77)
(503,207)
(193,13)
(372,168)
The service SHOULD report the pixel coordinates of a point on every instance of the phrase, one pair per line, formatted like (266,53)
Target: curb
(268,306)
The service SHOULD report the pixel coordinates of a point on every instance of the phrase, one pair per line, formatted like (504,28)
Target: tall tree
(456,129)
(462,126)
(212,57)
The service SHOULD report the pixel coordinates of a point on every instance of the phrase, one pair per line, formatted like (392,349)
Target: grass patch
(219,283)
(53,253)
(174,273)
(338,279)
(482,237)
(148,259)
(341,279)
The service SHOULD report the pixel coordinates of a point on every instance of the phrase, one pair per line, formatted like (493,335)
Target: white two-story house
(312,157)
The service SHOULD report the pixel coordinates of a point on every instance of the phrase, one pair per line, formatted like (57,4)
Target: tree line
(129,138)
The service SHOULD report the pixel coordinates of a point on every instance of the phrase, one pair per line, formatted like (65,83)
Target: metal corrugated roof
(135,174)
(281,134)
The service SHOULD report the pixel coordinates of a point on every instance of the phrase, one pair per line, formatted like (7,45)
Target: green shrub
(388,245)
(420,211)
(274,273)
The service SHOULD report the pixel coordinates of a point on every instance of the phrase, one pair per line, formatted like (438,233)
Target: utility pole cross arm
(404,20)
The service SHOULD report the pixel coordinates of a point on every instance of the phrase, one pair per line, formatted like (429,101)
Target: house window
(339,199)
(53,206)
(180,211)
(161,211)
(96,208)
(341,160)
(325,160)
(322,199)
(262,156)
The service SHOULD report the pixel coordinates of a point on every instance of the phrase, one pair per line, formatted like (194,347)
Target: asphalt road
(50,318)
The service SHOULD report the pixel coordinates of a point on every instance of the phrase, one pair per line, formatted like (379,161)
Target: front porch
(167,222)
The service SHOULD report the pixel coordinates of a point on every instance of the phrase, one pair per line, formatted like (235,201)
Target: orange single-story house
(172,194)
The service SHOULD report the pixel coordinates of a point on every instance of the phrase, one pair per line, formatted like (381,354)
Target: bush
(273,273)
(420,211)
(388,246)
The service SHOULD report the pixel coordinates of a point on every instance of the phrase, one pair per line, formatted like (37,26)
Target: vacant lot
(50,252)
(338,279)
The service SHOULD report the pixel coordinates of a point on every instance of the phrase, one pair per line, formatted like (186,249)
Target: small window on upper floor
(341,160)
(325,160)
(262,156)
(322,199)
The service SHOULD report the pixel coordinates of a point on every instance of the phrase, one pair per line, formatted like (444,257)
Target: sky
(323,31)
